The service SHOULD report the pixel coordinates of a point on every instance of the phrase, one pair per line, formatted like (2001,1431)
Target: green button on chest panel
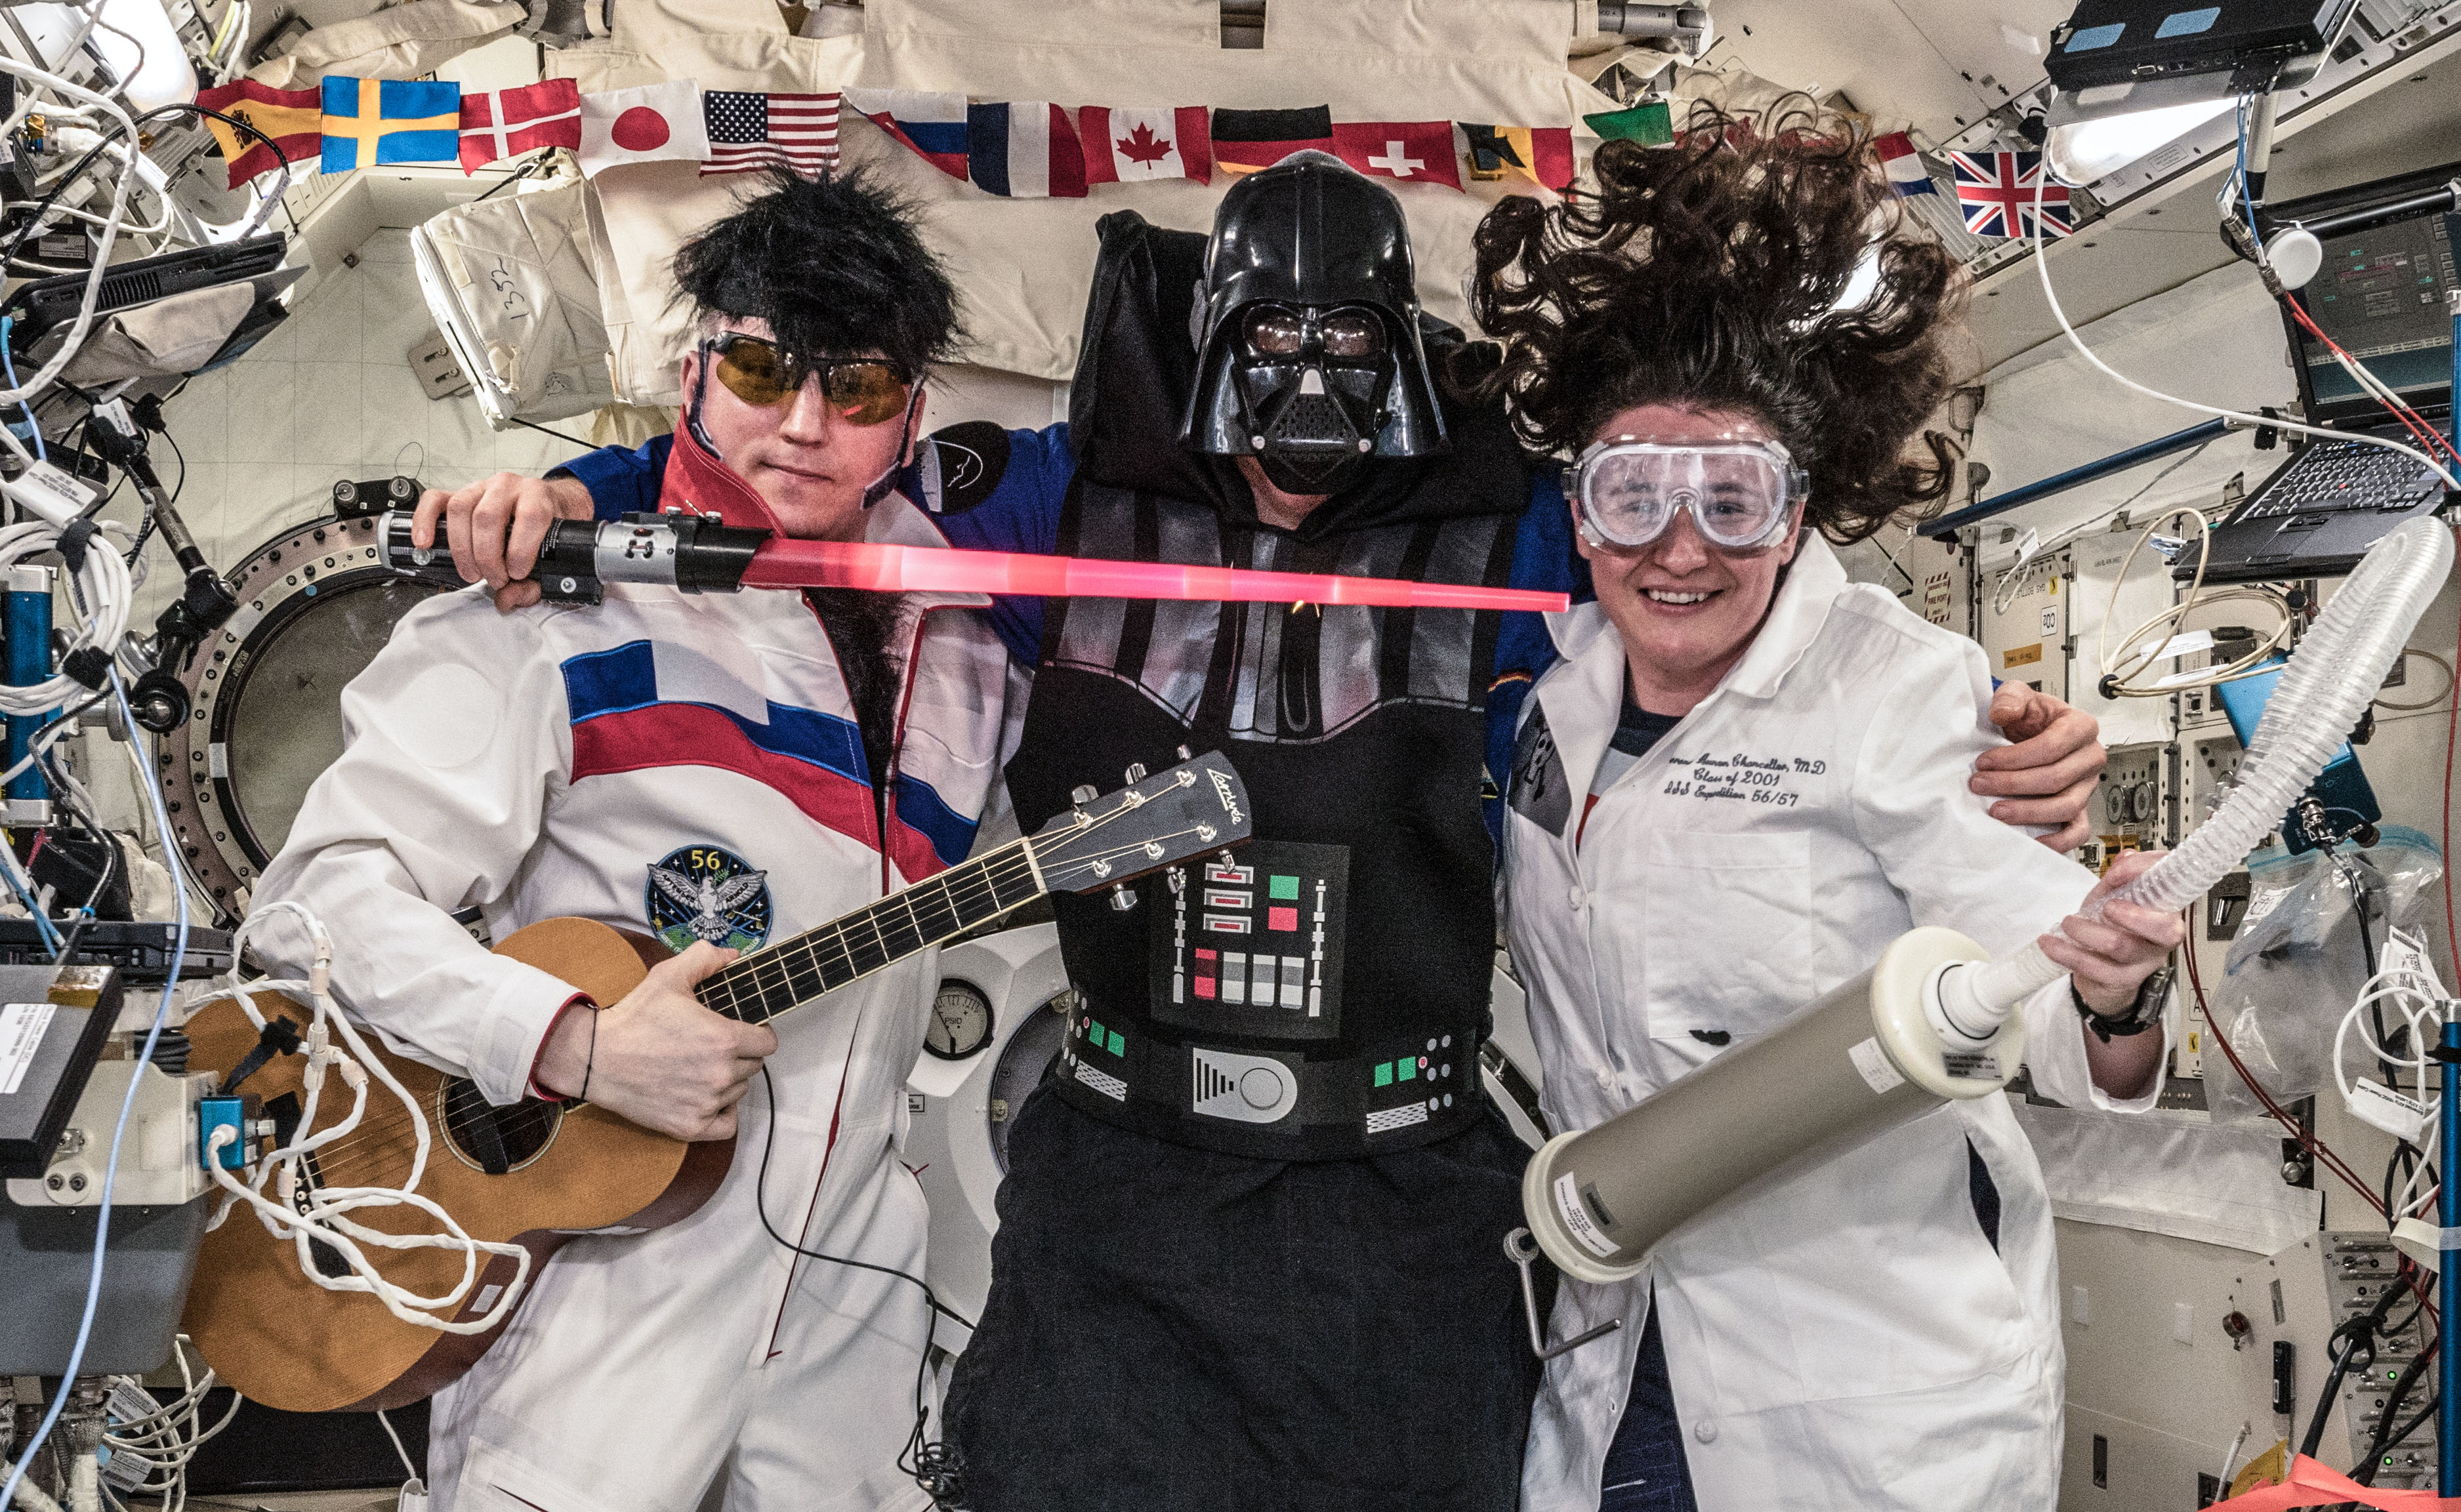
(1251,942)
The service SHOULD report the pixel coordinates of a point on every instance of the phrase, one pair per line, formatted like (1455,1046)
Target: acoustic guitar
(536,1173)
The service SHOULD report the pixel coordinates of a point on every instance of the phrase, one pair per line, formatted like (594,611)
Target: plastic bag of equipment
(514,289)
(2297,962)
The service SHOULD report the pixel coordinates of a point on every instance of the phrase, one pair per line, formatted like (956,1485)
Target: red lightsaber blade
(779,564)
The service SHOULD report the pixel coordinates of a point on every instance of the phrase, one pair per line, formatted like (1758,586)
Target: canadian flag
(647,124)
(1416,151)
(1122,146)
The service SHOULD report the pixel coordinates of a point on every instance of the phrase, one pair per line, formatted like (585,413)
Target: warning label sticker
(1576,1218)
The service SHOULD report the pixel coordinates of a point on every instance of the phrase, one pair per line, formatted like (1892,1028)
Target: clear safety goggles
(1741,494)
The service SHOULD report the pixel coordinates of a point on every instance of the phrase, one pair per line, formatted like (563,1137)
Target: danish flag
(1998,189)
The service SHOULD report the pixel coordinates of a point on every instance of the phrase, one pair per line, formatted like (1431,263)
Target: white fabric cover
(174,336)
(512,284)
(405,41)
(2170,1173)
(1024,264)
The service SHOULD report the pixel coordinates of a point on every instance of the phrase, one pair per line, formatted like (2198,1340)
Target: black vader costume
(1250,1244)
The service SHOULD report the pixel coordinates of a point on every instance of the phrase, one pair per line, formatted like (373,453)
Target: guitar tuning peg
(1123,897)
(1136,772)
(1082,795)
(1185,754)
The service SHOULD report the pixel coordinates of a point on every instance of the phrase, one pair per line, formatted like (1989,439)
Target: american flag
(749,130)
(1997,190)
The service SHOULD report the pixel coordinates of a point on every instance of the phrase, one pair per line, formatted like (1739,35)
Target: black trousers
(1171,1328)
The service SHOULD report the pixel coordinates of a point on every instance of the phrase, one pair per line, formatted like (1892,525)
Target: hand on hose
(2107,958)
(2048,775)
(661,1059)
(495,527)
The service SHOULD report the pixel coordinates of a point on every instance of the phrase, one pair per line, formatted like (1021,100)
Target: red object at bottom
(2314,1485)
(784,564)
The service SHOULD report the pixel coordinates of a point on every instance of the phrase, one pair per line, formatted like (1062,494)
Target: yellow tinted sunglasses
(868,391)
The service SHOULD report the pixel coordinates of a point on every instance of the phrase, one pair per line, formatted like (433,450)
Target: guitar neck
(769,981)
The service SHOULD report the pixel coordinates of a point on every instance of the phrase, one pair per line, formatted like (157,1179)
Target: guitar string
(981,880)
(1027,846)
(394,1133)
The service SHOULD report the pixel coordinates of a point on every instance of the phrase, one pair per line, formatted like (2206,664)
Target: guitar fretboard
(766,983)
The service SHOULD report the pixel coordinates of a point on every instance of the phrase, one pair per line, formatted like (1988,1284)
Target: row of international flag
(1018,148)
(1996,191)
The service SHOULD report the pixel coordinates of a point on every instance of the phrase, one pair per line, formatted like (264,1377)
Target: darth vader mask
(1308,348)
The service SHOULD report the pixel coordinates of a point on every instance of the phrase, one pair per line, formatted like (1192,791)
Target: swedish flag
(368,121)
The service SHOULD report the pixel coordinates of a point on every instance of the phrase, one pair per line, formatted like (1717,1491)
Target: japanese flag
(648,124)
(1122,146)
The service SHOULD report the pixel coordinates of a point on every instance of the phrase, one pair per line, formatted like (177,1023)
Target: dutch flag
(1024,149)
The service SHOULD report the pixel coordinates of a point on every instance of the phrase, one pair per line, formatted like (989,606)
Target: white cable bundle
(2407,985)
(162,1441)
(103,593)
(321,1215)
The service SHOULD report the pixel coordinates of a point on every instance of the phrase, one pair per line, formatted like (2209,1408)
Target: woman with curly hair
(1742,779)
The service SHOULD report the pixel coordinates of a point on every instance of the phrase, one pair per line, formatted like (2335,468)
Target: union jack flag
(1997,190)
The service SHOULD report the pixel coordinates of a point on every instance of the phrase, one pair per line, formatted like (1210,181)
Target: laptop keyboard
(2340,477)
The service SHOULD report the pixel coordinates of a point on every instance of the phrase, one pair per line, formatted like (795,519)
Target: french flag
(930,122)
(1903,164)
(1024,149)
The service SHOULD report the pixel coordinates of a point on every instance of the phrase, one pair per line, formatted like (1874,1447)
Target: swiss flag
(647,124)
(507,123)
(1414,151)
(1122,146)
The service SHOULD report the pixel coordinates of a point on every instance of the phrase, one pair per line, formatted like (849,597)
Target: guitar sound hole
(494,1139)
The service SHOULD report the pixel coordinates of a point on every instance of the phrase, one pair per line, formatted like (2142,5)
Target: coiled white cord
(310,1213)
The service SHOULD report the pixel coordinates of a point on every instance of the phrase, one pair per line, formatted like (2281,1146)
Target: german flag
(1245,140)
(293,117)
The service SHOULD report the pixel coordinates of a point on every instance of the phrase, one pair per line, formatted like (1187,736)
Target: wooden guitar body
(279,1338)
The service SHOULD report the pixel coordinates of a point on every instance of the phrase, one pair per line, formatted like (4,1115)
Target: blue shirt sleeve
(1543,558)
(622,482)
(1020,513)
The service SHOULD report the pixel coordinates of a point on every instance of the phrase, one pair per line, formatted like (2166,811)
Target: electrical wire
(2163,626)
(118,1135)
(934,1465)
(2042,269)
(2427,703)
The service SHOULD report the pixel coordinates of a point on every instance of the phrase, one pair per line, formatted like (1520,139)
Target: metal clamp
(1521,1248)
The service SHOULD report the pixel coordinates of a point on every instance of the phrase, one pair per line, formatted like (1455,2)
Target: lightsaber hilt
(579,556)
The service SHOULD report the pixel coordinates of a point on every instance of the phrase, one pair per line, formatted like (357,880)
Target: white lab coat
(1848,1338)
(538,764)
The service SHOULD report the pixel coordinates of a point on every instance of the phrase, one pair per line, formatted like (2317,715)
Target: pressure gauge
(961,1022)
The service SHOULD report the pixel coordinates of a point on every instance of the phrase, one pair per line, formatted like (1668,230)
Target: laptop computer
(2381,295)
(48,302)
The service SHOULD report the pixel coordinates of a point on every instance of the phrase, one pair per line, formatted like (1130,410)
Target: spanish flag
(368,121)
(1543,154)
(1245,140)
(293,117)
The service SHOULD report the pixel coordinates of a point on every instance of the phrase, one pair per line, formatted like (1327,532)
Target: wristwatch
(2137,1018)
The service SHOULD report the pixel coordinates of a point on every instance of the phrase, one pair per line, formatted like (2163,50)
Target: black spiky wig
(835,265)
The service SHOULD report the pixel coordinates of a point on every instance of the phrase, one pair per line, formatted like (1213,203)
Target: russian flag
(930,122)
(1024,149)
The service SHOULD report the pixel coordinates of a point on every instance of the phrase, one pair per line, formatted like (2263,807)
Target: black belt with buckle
(1273,1104)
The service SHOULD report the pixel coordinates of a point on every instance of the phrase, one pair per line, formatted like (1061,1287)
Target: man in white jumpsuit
(720,771)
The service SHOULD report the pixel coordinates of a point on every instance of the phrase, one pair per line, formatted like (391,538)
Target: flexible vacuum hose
(2338,670)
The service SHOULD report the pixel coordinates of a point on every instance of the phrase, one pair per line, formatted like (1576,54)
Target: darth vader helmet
(1307,334)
